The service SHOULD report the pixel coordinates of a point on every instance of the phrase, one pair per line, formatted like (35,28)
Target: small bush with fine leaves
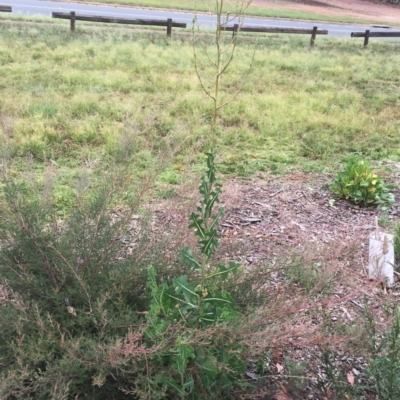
(70,302)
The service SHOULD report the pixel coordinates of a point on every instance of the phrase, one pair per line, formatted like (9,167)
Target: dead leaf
(350,378)
(71,310)
(279,368)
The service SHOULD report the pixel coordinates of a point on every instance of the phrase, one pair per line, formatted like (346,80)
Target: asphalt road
(45,8)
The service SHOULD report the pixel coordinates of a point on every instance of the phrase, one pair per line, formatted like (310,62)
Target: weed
(336,384)
(296,375)
(170,176)
(166,193)
(307,276)
(197,303)
(383,220)
(358,183)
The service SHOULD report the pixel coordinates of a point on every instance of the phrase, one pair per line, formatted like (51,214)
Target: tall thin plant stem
(222,60)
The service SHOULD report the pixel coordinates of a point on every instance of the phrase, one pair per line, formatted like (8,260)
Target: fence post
(366,38)
(72,18)
(235,30)
(313,35)
(169,26)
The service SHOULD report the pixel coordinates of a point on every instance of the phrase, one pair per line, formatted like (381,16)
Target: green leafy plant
(361,185)
(383,220)
(335,381)
(296,375)
(306,276)
(197,303)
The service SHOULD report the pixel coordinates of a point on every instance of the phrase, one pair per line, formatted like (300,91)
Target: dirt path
(361,9)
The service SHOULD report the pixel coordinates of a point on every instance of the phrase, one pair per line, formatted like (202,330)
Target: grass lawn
(231,7)
(73,99)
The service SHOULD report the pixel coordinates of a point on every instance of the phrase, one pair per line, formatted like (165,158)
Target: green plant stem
(219,7)
(205,257)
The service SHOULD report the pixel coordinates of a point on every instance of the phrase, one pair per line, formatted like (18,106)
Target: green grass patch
(231,7)
(85,96)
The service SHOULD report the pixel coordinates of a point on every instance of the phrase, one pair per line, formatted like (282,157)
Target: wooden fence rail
(367,34)
(5,9)
(313,32)
(73,17)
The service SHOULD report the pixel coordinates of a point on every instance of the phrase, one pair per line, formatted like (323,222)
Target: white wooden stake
(381,257)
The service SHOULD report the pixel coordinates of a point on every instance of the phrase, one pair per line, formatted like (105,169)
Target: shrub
(70,298)
(359,184)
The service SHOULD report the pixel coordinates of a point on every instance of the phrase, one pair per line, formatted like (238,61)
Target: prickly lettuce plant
(204,353)
(197,304)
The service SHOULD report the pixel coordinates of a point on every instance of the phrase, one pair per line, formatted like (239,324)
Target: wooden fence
(73,17)
(313,32)
(367,34)
(169,24)
(5,9)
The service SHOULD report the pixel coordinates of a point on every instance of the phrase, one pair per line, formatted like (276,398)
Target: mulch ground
(270,219)
(281,215)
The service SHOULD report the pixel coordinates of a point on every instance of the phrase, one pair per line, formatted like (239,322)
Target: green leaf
(189,383)
(184,353)
(209,365)
(216,217)
(183,287)
(180,300)
(212,200)
(198,224)
(171,383)
(223,271)
(217,299)
(187,255)
(210,243)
